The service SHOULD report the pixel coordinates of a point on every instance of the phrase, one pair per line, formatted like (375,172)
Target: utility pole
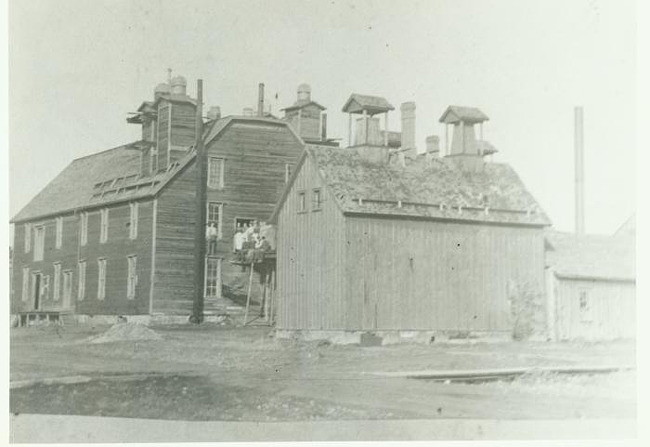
(200,229)
(579,171)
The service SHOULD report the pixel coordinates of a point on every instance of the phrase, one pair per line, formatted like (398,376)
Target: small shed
(591,286)
(428,247)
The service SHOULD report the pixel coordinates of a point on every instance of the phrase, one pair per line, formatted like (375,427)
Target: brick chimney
(408,129)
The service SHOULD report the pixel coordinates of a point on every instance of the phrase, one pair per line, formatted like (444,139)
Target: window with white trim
(59,232)
(25,294)
(215,215)
(45,287)
(28,237)
(302,202)
(288,170)
(67,286)
(103,228)
(213,277)
(101,278)
(317,201)
(585,308)
(39,242)
(215,172)
(83,228)
(133,220)
(132,276)
(81,283)
(56,293)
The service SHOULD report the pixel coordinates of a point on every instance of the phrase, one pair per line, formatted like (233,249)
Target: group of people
(252,240)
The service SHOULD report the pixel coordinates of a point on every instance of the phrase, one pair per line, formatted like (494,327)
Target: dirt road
(215,373)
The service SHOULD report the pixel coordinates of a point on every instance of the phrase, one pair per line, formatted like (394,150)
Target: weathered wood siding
(406,274)
(162,144)
(115,250)
(183,132)
(611,311)
(311,259)
(173,281)
(255,156)
(306,121)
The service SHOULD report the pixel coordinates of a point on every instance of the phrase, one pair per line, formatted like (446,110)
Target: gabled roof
(218,126)
(455,114)
(591,256)
(113,176)
(106,177)
(302,105)
(433,190)
(357,103)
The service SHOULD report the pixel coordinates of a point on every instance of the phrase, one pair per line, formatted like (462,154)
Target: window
(317,200)
(213,277)
(302,206)
(243,223)
(57,282)
(67,286)
(39,242)
(25,294)
(288,170)
(101,278)
(132,278)
(59,232)
(133,220)
(83,228)
(103,228)
(215,172)
(45,287)
(28,237)
(214,214)
(81,285)
(585,309)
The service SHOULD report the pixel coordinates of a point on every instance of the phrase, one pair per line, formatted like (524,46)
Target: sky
(77,68)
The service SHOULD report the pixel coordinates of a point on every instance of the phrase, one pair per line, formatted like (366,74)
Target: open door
(36,290)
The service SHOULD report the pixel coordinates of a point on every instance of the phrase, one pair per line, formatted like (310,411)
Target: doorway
(36,290)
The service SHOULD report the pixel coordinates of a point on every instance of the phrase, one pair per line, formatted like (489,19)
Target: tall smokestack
(579,171)
(260,100)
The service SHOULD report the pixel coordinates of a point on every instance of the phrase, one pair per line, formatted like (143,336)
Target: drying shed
(366,245)
(591,286)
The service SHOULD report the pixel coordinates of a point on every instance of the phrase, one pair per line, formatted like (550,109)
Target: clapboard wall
(173,279)
(115,250)
(255,154)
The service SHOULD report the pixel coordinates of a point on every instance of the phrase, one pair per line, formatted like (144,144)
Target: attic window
(317,200)
(302,204)
(585,309)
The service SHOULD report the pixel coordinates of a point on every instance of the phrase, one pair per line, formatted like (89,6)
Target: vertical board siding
(405,274)
(311,252)
(612,309)
(115,250)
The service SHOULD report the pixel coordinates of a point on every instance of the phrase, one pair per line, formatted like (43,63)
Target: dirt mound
(126,332)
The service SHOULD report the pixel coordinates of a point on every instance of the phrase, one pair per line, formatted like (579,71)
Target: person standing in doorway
(211,235)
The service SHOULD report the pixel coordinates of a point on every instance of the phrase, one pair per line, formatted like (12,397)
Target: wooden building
(113,234)
(371,242)
(592,285)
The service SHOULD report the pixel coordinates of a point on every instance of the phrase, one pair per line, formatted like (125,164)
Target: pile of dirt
(126,332)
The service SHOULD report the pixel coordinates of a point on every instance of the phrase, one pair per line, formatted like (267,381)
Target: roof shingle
(591,256)
(429,190)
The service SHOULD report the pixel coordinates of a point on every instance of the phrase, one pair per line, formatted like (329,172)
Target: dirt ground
(212,372)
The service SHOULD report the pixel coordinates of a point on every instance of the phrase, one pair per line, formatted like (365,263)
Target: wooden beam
(199,231)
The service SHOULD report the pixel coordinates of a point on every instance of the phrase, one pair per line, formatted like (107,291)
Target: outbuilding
(372,242)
